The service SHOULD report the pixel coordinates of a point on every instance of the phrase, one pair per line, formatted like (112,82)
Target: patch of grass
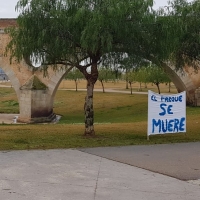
(8,101)
(120,119)
(50,136)
(108,107)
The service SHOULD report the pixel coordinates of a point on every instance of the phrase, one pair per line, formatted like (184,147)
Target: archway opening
(9,105)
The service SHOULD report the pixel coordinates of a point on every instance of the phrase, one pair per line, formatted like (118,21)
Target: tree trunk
(126,84)
(102,86)
(140,87)
(126,79)
(169,86)
(76,83)
(131,87)
(88,107)
(157,84)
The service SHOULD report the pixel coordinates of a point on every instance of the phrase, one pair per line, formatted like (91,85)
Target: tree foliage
(178,38)
(68,31)
(80,33)
(188,48)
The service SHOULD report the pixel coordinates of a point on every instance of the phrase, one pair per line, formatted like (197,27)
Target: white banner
(166,113)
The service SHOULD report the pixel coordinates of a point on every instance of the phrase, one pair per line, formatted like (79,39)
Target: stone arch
(11,75)
(53,78)
(36,105)
(52,82)
(187,80)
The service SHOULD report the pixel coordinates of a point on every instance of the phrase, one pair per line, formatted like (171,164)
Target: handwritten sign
(166,113)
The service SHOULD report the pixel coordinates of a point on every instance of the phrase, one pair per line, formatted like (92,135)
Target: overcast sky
(7,7)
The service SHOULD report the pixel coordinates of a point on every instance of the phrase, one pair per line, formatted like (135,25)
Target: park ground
(120,120)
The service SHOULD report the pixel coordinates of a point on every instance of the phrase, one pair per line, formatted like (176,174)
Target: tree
(75,75)
(131,64)
(142,76)
(172,38)
(186,17)
(78,33)
(105,74)
(131,77)
(156,75)
(176,39)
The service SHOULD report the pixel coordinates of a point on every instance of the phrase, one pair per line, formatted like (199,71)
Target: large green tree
(172,38)
(176,39)
(186,19)
(79,33)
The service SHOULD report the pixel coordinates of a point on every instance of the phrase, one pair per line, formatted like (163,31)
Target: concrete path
(110,90)
(75,175)
(181,161)
(8,118)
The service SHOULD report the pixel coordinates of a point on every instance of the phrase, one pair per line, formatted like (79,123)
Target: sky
(7,7)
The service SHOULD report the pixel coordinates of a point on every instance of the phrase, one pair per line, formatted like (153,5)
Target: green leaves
(99,27)
(53,30)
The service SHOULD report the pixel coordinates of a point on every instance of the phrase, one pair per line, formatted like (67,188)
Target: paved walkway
(110,90)
(75,175)
(8,118)
(156,172)
(181,161)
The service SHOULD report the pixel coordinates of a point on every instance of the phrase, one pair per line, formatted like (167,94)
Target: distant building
(3,76)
